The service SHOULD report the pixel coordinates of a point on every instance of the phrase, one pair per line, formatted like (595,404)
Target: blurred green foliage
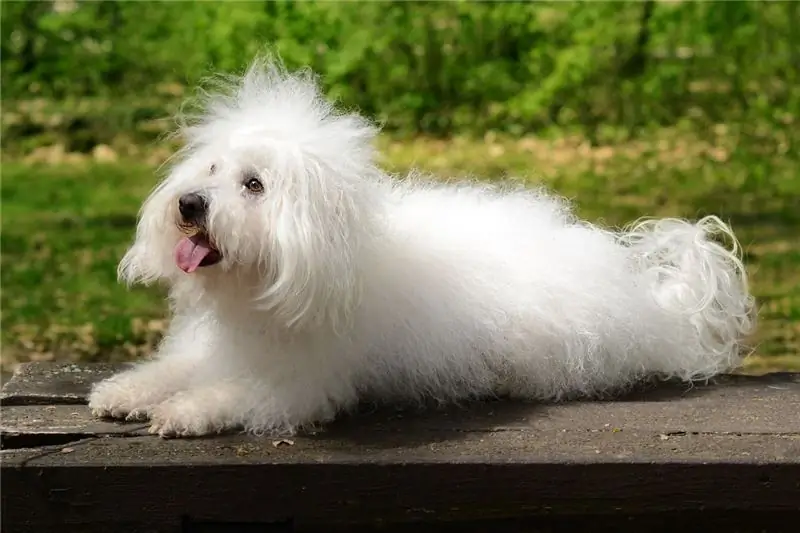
(607,68)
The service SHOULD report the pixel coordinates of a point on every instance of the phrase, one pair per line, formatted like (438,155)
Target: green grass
(64,230)
(66,224)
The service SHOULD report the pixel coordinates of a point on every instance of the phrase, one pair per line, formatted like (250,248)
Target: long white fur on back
(341,283)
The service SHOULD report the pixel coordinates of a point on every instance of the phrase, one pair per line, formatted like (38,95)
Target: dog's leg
(132,394)
(246,404)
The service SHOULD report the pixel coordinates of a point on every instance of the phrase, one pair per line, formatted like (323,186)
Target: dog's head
(272,189)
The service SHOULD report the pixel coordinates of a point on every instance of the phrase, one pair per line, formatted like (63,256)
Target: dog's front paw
(129,396)
(110,399)
(184,415)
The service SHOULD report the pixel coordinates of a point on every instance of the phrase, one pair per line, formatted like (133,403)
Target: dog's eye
(212,170)
(253,184)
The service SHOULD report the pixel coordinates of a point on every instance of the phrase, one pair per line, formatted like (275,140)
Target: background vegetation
(635,108)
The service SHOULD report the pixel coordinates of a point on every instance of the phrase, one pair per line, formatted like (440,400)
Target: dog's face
(273,188)
(226,215)
(212,214)
(246,209)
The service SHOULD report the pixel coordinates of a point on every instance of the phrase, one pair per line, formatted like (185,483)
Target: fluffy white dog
(303,278)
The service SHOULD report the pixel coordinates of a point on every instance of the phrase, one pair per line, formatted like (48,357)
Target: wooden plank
(738,404)
(42,383)
(728,451)
(42,425)
(433,447)
(314,496)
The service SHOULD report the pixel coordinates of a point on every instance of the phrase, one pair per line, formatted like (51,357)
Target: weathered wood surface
(53,383)
(727,452)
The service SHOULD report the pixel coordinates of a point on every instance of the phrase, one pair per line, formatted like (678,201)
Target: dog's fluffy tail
(703,283)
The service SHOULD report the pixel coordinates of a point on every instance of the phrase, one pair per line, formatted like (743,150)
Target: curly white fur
(339,283)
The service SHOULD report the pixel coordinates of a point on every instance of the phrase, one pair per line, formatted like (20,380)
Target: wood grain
(726,453)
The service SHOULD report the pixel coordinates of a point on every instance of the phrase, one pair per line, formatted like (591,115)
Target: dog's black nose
(193,207)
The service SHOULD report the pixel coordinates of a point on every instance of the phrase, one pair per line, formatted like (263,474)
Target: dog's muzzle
(193,208)
(198,249)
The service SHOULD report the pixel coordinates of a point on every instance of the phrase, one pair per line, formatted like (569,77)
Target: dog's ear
(314,248)
(150,256)
(134,266)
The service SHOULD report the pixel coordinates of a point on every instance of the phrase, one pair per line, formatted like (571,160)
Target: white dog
(303,278)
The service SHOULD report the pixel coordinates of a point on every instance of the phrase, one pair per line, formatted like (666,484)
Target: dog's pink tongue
(190,252)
